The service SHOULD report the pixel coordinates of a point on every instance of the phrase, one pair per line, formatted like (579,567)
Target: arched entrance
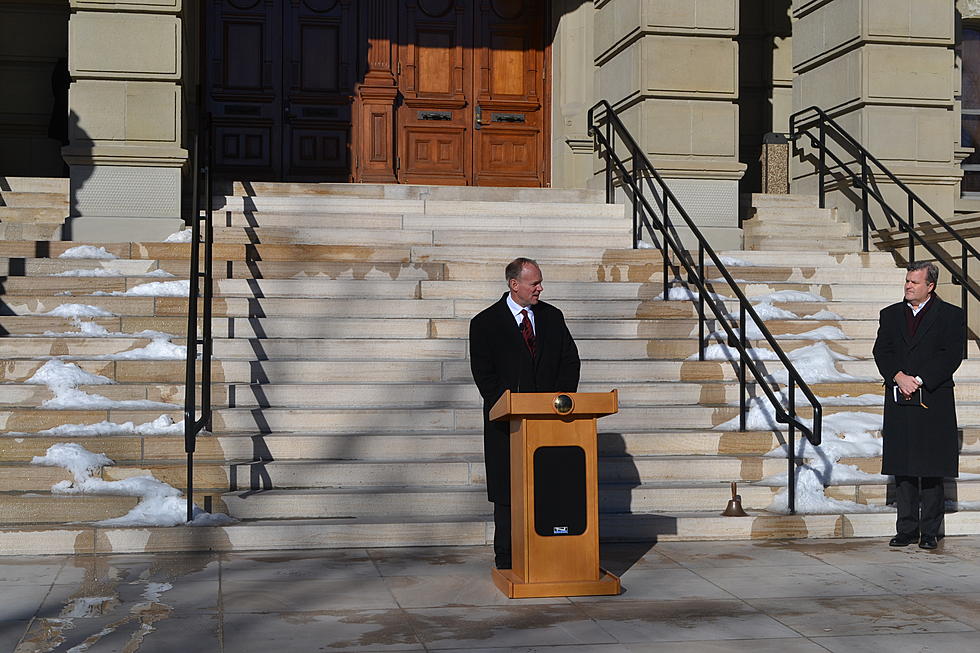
(413,91)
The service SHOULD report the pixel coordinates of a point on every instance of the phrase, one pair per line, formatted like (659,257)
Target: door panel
(281,86)
(245,86)
(319,86)
(509,59)
(434,118)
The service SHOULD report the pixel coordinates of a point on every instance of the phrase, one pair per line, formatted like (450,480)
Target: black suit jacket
(500,361)
(921,441)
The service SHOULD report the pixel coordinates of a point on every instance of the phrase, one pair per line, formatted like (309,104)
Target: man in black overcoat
(918,348)
(519,344)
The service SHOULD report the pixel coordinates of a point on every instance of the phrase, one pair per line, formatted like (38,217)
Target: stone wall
(884,69)
(126,132)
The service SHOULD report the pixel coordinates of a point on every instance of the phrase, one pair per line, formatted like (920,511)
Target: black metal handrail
(193,425)
(817,126)
(639,178)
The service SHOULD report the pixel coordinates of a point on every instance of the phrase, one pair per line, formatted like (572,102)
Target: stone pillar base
(123,203)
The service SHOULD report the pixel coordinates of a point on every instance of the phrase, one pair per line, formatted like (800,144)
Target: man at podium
(519,344)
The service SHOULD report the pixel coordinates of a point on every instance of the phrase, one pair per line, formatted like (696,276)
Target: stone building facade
(698,82)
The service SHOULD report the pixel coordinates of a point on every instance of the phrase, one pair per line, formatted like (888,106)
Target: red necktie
(528,332)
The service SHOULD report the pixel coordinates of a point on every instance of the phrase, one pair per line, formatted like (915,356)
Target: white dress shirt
(516,309)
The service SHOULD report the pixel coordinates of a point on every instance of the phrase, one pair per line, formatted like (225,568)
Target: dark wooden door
(281,78)
(471,79)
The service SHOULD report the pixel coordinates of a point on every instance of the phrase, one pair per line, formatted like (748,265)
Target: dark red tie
(528,332)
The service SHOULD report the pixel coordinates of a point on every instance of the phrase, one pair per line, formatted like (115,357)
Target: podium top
(513,405)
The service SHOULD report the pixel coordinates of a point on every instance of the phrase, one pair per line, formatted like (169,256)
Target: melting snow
(78,311)
(153,289)
(183,236)
(160,504)
(731,261)
(677,293)
(823,314)
(90,272)
(162,425)
(63,380)
(88,251)
(789,296)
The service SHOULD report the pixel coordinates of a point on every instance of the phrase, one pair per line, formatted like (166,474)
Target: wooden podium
(554,494)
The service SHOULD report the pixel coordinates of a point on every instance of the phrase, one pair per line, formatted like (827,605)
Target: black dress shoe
(928,542)
(903,539)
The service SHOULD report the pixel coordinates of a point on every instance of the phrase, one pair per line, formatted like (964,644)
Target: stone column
(125,101)
(884,70)
(573,93)
(670,69)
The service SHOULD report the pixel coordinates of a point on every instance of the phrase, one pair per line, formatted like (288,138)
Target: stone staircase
(32,208)
(346,415)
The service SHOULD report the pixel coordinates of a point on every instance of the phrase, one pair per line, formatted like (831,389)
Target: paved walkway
(785,596)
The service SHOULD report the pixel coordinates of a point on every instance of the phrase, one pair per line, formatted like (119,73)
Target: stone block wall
(126,139)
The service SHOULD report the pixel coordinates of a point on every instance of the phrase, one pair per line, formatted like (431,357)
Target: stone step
(395,446)
(437,395)
(612,238)
(645,272)
(20,199)
(76,285)
(33,215)
(45,508)
(34,184)
(499,256)
(840,245)
(322,236)
(409,191)
(563,290)
(667,328)
(443,531)
(454,208)
(799,215)
(813,256)
(760,230)
(773,200)
(11,232)
(283,219)
(172,371)
(37,267)
(32,420)
(614,498)
(266,475)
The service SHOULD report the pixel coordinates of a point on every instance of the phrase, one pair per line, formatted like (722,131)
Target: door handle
(479,117)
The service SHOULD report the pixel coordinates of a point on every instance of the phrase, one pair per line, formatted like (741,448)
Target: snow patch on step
(160,504)
(88,251)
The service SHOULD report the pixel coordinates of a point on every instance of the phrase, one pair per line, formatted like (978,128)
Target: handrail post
(664,226)
(701,304)
(207,349)
(190,385)
(610,152)
(911,230)
(823,163)
(864,202)
(963,300)
(741,368)
(636,204)
(791,442)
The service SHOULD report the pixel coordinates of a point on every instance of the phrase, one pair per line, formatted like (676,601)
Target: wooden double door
(410,91)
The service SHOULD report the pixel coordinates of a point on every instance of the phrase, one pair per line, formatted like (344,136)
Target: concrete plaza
(786,596)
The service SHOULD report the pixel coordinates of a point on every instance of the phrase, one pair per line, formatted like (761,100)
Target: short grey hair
(514,268)
(932,272)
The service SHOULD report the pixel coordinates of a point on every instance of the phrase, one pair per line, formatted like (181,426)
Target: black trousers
(501,533)
(919,500)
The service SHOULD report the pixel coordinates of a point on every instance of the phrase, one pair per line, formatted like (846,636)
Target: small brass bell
(734,507)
